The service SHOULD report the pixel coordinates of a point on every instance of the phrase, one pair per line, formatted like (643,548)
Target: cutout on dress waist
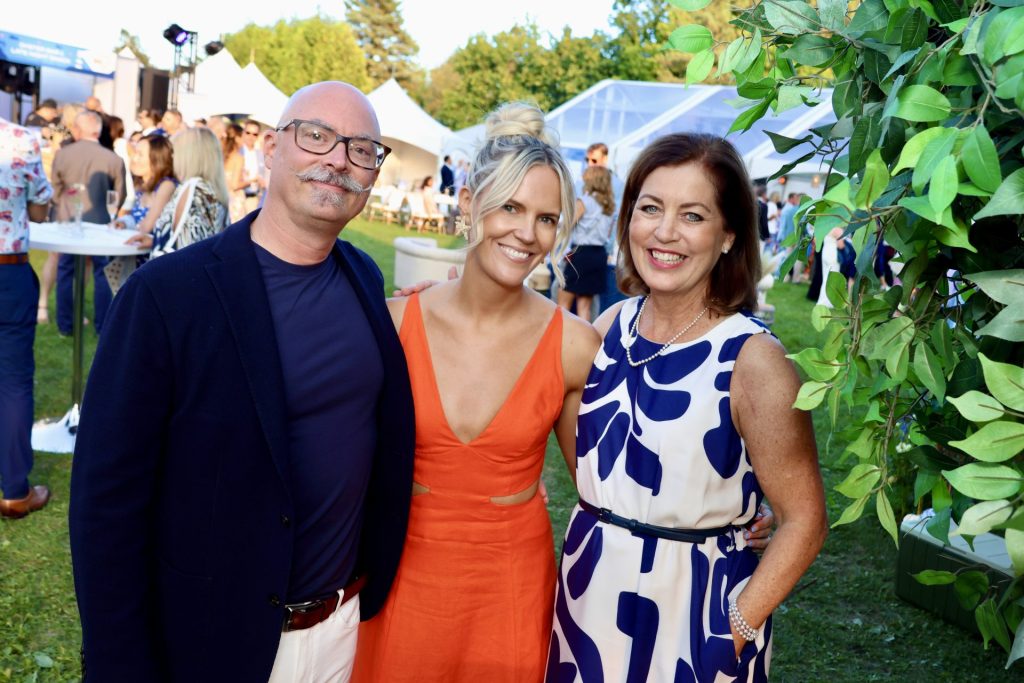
(524,496)
(419,489)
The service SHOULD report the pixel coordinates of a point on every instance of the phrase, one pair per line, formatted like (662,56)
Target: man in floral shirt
(24,194)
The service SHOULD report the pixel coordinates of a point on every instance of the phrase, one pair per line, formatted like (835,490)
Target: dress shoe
(16,508)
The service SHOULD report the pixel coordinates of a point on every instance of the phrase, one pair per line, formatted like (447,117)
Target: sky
(438,26)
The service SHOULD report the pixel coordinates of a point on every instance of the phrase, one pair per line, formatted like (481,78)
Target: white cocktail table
(95,240)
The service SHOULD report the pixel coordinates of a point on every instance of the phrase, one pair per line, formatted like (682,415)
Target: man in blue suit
(242,477)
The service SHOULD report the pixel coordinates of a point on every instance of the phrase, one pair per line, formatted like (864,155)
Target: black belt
(13,259)
(668,533)
(307,614)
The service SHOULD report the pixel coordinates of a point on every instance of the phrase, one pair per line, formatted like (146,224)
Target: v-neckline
(508,398)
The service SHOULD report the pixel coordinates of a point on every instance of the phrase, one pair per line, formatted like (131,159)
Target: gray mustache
(326,175)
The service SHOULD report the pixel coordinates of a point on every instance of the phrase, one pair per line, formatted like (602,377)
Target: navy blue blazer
(180,517)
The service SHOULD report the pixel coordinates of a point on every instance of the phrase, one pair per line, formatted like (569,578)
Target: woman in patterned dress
(685,425)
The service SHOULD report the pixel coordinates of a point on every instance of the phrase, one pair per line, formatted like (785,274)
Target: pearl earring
(725,250)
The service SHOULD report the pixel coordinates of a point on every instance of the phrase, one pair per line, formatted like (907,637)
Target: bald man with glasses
(241,483)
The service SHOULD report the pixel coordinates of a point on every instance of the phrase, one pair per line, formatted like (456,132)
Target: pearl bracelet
(748,632)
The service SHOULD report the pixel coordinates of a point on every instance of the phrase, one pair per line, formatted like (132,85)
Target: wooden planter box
(919,550)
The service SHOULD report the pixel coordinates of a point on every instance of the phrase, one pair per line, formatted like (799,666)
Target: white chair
(421,219)
(393,207)
(377,205)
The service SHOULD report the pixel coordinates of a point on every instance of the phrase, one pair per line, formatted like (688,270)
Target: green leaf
(852,512)
(1005,382)
(815,365)
(915,30)
(981,161)
(901,61)
(929,371)
(1017,651)
(1008,199)
(970,588)
(972,190)
(883,508)
(691,38)
(983,517)
(916,145)
(1004,286)
(897,362)
(923,483)
(810,50)
(1008,324)
(978,407)
(944,185)
(985,481)
(921,103)
(934,577)
(791,96)
(1015,549)
(833,13)
(879,340)
(998,31)
(934,152)
(876,179)
(990,624)
(810,396)
(821,316)
(938,526)
(958,71)
(846,97)
(782,144)
(861,481)
(942,338)
(791,17)
(700,66)
(870,16)
(747,118)
(43,660)
(994,442)
(690,5)
(836,289)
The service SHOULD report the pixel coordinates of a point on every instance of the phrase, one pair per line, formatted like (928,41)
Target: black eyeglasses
(317,138)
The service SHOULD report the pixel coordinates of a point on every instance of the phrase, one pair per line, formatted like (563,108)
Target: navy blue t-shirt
(332,380)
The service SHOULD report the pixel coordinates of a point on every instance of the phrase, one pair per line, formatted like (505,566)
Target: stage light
(176,35)
(213,47)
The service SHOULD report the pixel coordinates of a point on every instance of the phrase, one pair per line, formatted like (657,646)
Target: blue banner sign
(37,52)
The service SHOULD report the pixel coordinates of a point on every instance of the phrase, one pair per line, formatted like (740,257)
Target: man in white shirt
(252,170)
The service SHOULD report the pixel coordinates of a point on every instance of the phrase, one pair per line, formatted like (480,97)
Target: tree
(302,51)
(390,51)
(644,26)
(518,64)
(925,155)
(130,41)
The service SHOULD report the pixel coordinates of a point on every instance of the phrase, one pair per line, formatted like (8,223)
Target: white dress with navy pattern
(657,444)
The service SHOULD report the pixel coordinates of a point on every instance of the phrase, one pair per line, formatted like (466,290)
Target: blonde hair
(597,182)
(197,155)
(516,140)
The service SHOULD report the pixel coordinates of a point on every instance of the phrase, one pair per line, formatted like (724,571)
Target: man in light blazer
(87,163)
(242,478)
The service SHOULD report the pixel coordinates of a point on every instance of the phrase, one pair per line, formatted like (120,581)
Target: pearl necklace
(634,335)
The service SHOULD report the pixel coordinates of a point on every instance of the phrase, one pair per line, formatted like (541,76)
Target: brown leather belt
(307,614)
(13,259)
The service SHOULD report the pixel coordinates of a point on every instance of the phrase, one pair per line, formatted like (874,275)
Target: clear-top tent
(627,115)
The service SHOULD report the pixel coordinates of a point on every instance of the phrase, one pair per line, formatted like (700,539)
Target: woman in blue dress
(685,426)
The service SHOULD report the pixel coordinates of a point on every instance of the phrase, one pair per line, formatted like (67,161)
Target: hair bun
(519,118)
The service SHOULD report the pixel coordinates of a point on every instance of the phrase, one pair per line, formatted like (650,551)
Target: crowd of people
(269,452)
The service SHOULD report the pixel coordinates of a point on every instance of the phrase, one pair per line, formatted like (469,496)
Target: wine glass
(112,204)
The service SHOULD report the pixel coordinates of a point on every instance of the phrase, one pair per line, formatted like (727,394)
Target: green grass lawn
(843,622)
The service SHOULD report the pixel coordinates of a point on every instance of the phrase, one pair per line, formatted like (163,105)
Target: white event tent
(415,137)
(627,115)
(222,87)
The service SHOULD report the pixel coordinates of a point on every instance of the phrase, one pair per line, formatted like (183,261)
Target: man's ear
(269,147)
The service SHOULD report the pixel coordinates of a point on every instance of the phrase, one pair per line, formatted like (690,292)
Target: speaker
(153,87)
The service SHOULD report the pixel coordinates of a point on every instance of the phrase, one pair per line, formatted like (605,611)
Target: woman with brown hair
(152,161)
(585,266)
(234,170)
(685,425)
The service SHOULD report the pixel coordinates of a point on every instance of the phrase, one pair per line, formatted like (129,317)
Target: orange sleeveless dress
(473,596)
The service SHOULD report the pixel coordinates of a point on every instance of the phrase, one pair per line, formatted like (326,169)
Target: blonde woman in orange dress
(494,367)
